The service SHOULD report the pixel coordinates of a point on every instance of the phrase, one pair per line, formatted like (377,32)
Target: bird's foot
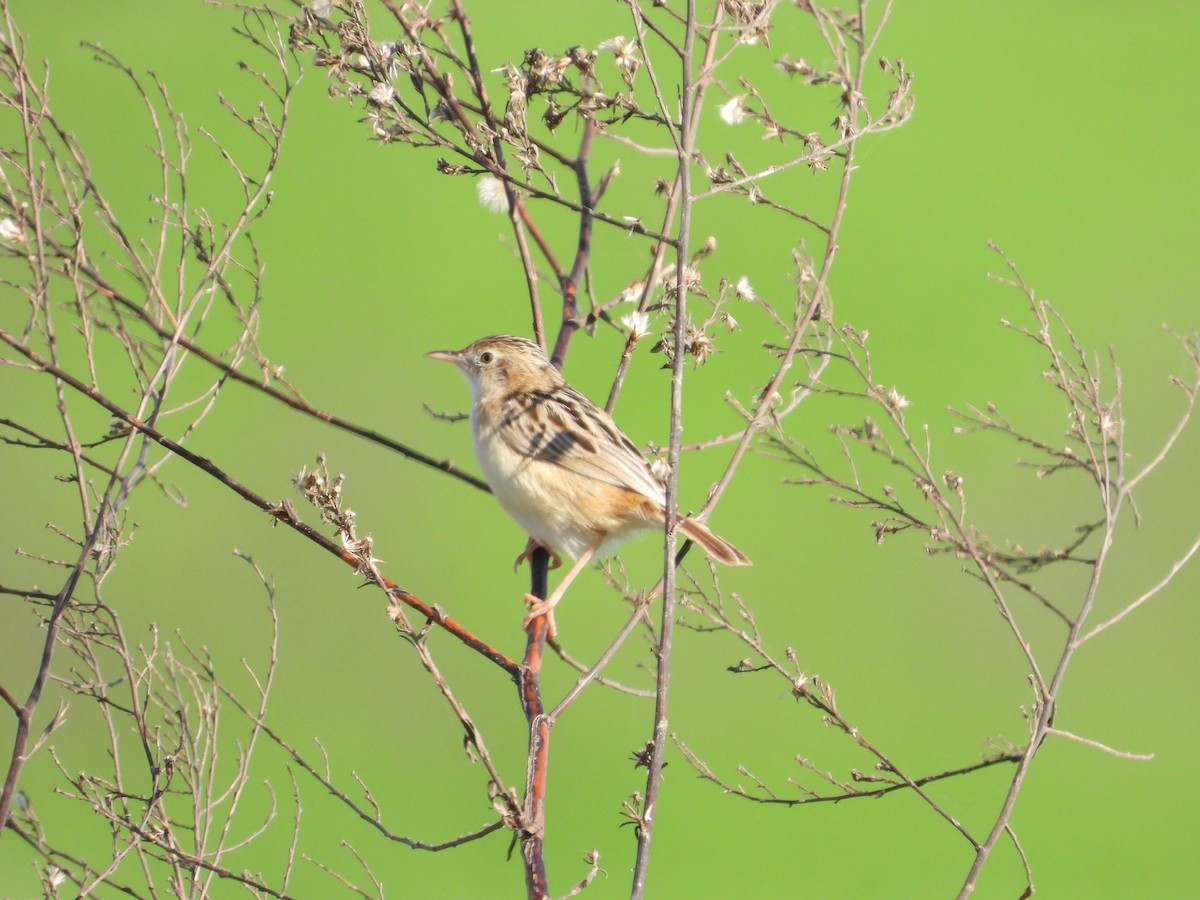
(538,608)
(530,546)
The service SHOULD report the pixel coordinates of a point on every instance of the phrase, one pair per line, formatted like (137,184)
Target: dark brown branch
(371,817)
(280,512)
(25,711)
(570,285)
(293,402)
(63,861)
(891,786)
(533,826)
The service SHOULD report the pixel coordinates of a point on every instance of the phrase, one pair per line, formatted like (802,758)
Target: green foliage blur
(1062,132)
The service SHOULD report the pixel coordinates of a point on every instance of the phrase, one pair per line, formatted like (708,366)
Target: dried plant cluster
(112,315)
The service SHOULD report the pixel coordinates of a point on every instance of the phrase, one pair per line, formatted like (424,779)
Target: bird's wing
(564,428)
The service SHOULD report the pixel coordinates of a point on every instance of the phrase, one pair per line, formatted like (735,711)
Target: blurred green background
(1061,131)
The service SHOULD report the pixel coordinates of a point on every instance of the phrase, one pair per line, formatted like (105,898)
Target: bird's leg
(540,607)
(530,546)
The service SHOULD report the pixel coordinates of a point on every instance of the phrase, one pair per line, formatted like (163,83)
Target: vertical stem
(1045,711)
(654,767)
(583,250)
(534,813)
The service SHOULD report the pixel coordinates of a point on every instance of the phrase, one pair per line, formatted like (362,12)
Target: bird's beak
(452,356)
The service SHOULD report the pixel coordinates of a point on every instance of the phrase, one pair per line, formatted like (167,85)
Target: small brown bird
(558,463)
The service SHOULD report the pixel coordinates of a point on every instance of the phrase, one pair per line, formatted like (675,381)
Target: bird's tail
(716,547)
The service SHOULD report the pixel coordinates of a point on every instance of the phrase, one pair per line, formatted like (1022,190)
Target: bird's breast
(558,507)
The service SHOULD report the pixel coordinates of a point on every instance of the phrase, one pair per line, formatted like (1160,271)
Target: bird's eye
(486,357)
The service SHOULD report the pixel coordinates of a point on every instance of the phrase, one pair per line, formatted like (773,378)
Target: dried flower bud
(894,399)
(637,322)
(624,52)
(381,95)
(446,167)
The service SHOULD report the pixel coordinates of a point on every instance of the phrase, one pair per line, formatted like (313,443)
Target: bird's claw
(538,608)
(527,553)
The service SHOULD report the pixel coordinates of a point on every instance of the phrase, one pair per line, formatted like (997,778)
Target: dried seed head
(492,194)
(734,111)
